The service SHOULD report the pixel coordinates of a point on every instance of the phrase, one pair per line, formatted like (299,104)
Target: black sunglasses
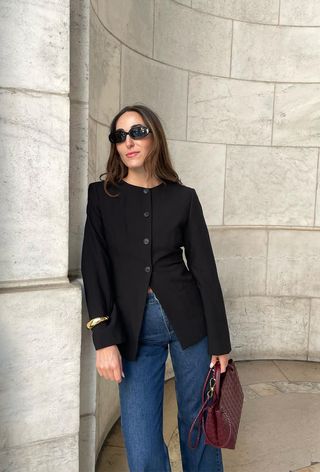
(136,132)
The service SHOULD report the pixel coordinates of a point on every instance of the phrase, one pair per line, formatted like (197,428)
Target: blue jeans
(141,397)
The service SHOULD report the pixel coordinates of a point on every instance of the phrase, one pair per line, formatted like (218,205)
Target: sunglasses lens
(117,137)
(138,132)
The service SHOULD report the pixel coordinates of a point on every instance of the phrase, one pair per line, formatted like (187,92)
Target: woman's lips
(132,154)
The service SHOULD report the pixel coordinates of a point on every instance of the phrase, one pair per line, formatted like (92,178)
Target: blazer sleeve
(96,271)
(202,265)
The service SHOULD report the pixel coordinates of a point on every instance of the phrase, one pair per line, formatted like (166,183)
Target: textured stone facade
(237,86)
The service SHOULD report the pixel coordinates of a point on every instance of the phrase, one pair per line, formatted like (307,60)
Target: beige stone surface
(34,185)
(277,433)
(270,186)
(294,263)
(130,21)
(299,371)
(259,327)
(265,390)
(203,44)
(87,438)
(254,372)
(34,42)
(184,2)
(190,159)
(241,256)
(102,149)
(78,181)
(296,115)
(229,111)
(79,58)
(273,53)
(312,468)
(39,394)
(104,84)
(161,87)
(115,460)
(300,12)
(255,11)
(92,149)
(314,335)
(170,405)
(317,212)
(58,454)
(106,416)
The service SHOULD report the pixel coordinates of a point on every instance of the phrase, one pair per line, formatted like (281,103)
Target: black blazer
(134,241)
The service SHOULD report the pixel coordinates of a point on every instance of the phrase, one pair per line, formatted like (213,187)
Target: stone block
(269,328)
(59,454)
(34,185)
(161,87)
(130,21)
(34,38)
(241,256)
(104,81)
(270,186)
(273,53)
(296,115)
(40,368)
(202,43)
(300,12)
(190,159)
(293,263)
(255,11)
(229,111)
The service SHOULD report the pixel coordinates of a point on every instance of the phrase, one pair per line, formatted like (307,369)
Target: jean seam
(164,318)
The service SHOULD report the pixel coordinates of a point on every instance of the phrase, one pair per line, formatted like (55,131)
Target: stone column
(40,310)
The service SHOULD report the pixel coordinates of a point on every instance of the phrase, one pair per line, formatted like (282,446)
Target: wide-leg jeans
(141,397)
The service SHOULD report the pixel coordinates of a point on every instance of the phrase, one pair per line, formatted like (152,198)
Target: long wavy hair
(157,163)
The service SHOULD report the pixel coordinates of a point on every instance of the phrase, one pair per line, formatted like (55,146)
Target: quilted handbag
(222,401)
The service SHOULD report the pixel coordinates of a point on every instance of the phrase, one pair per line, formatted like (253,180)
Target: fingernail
(123,374)
(211,365)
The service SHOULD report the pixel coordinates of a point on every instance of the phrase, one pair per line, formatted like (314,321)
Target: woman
(141,296)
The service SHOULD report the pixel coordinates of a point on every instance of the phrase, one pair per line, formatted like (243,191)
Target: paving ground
(280,424)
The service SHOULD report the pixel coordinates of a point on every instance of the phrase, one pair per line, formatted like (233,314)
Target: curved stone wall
(40,309)
(237,86)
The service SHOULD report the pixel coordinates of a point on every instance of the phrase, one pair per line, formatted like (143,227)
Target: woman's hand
(109,363)
(223,359)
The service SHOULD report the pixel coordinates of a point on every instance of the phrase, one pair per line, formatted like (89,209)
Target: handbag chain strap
(204,407)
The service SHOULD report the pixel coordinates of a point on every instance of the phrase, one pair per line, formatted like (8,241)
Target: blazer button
(147,268)
(146,241)
(145,190)
(146,213)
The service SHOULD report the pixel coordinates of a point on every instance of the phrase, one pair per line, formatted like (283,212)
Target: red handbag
(221,410)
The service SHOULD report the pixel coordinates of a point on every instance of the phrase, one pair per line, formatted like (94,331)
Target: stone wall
(40,310)
(237,86)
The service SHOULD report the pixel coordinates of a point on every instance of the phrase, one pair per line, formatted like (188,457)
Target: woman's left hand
(223,359)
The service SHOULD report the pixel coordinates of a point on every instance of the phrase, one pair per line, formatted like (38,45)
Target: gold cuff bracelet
(94,321)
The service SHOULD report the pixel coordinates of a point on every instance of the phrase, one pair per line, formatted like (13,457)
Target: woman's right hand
(109,363)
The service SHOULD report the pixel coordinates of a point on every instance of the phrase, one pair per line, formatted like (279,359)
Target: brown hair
(157,162)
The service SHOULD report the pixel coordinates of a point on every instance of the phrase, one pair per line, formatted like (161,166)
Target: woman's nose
(129,140)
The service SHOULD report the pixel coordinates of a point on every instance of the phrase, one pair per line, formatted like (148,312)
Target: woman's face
(133,151)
